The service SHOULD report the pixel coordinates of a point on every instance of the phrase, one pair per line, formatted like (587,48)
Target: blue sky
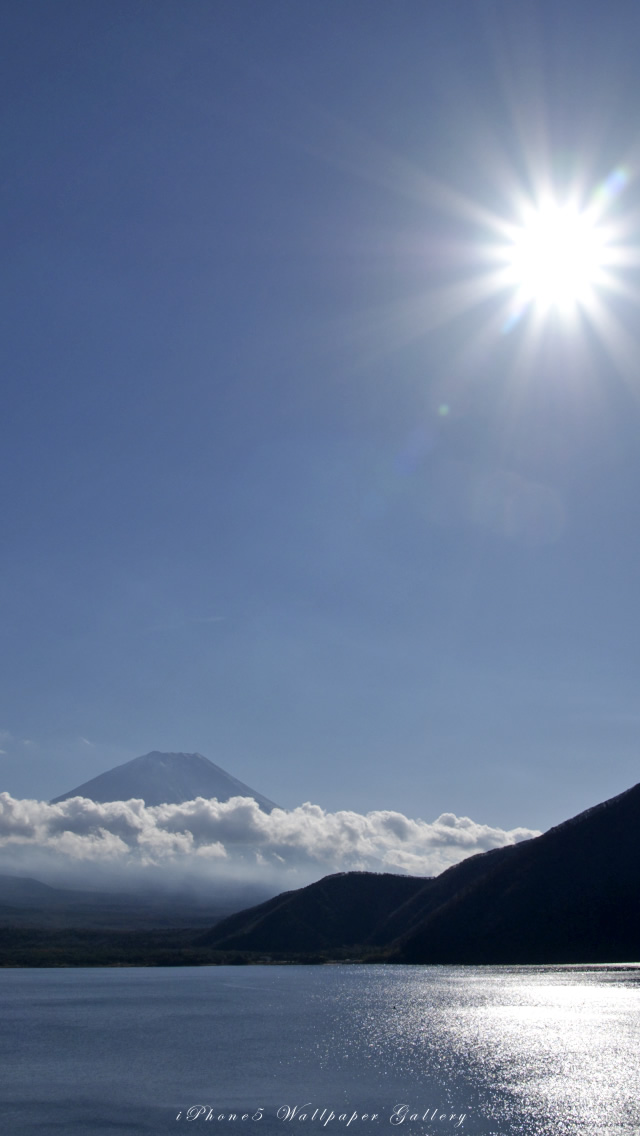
(273,489)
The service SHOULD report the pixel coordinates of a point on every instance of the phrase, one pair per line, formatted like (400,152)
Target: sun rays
(548,260)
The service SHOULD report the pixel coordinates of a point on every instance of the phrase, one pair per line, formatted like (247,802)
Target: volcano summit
(165,779)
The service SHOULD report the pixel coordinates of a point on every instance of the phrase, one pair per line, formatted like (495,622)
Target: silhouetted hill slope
(165,778)
(436,891)
(347,909)
(570,895)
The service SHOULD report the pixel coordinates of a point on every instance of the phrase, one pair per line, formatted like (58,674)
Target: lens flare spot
(612,186)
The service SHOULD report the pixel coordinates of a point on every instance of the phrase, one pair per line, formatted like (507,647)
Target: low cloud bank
(205,841)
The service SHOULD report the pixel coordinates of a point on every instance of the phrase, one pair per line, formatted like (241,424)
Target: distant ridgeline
(165,779)
(569,895)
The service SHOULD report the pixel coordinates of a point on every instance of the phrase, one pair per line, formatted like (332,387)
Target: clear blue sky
(269,492)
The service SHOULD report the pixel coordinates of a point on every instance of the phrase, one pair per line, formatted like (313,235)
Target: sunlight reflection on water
(559,1046)
(520,1051)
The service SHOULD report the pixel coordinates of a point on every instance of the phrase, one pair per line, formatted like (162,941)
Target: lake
(540,1051)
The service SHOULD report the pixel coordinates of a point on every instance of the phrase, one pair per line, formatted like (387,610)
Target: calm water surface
(540,1051)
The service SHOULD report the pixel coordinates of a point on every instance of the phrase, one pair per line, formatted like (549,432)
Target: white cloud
(209,840)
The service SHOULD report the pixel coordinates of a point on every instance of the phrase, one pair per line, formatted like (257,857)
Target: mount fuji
(165,779)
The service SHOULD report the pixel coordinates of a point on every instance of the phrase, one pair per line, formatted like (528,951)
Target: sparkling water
(539,1051)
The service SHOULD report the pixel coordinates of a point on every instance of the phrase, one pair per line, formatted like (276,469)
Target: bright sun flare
(556,257)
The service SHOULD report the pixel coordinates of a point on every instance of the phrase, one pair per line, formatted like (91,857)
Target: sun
(555,259)
(533,259)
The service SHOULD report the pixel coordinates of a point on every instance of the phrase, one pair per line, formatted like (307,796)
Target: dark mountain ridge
(569,895)
(340,910)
